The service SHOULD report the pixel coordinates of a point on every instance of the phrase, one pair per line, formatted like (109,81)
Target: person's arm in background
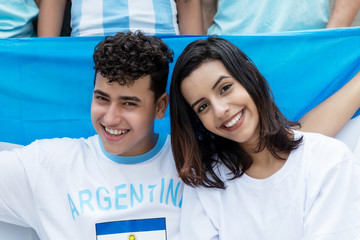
(50,18)
(189,17)
(209,9)
(343,13)
(330,116)
(37,2)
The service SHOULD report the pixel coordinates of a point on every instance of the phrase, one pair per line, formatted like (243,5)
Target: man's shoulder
(59,147)
(65,142)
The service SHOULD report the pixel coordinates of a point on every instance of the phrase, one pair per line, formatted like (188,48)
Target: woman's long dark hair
(198,151)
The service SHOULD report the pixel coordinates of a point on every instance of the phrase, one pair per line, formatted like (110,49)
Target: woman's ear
(161,104)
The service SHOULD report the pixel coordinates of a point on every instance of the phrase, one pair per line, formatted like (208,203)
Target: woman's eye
(202,107)
(225,88)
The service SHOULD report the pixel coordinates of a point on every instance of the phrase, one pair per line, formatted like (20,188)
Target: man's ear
(161,104)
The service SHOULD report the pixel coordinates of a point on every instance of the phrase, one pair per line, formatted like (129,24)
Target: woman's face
(222,104)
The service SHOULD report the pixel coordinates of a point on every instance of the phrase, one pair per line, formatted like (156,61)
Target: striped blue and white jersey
(107,17)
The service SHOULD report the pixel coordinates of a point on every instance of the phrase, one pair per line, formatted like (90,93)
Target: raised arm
(190,17)
(50,19)
(343,13)
(330,116)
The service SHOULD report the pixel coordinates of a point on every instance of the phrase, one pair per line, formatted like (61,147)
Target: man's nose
(113,115)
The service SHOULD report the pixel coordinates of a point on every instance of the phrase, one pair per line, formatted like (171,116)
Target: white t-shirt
(315,195)
(72,189)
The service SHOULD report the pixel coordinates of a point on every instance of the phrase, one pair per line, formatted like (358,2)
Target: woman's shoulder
(319,151)
(320,142)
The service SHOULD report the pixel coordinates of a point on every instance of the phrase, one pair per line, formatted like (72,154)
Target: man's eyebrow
(218,81)
(124,98)
(101,93)
(130,98)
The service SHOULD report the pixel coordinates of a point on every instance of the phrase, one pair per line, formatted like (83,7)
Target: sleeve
(195,223)
(17,205)
(334,212)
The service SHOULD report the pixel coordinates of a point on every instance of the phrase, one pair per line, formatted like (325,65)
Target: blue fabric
(163,16)
(115,8)
(128,226)
(76,15)
(107,17)
(16,18)
(46,83)
(137,158)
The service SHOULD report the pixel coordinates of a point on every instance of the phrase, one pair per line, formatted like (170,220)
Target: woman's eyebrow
(196,102)
(218,81)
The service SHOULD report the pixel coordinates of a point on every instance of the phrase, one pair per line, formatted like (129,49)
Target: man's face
(123,116)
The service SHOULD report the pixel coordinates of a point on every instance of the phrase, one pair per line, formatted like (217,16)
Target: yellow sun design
(132,237)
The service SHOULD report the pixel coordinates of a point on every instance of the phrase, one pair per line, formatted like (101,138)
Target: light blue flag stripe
(46,84)
(163,16)
(131,226)
(119,8)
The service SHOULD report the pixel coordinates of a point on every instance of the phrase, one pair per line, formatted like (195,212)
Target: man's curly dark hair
(126,57)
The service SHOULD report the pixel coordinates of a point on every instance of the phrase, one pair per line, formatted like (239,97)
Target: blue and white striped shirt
(107,17)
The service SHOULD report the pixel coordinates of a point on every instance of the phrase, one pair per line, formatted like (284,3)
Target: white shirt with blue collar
(73,189)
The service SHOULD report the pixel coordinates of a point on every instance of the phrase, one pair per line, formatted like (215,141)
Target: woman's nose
(220,109)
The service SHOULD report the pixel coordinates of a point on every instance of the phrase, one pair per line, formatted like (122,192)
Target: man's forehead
(140,87)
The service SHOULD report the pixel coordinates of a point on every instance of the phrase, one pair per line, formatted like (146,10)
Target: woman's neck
(264,164)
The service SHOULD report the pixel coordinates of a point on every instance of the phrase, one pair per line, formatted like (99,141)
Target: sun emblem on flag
(132,237)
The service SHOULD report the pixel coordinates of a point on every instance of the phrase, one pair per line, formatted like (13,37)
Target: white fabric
(267,16)
(315,195)
(13,232)
(107,17)
(62,188)
(136,8)
(350,135)
(9,146)
(10,231)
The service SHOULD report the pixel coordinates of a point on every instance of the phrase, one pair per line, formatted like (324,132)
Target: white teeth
(115,132)
(234,121)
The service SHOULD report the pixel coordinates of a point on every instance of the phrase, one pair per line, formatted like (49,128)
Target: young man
(121,183)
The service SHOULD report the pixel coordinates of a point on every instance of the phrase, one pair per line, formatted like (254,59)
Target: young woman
(250,175)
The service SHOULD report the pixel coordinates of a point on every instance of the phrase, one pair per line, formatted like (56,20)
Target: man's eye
(101,98)
(225,88)
(202,107)
(130,104)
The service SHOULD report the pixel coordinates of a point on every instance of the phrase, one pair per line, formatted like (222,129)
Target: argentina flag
(140,229)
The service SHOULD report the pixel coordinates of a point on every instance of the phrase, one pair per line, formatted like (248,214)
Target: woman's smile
(235,121)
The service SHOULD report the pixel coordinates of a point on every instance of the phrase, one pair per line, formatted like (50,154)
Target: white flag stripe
(142,21)
(174,14)
(151,235)
(93,18)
